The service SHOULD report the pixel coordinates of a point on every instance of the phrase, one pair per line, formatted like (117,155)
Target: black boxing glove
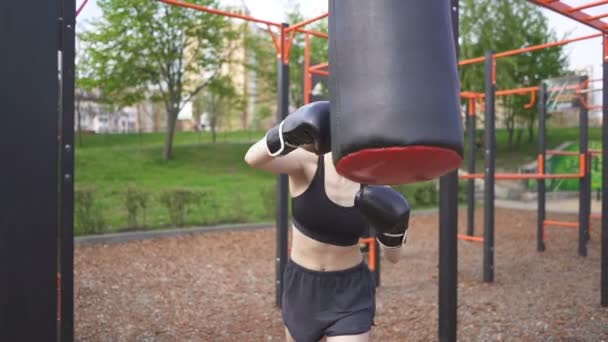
(307,127)
(387,211)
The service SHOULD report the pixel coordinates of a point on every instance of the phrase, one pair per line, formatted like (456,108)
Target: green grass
(158,138)
(233,189)
(234,192)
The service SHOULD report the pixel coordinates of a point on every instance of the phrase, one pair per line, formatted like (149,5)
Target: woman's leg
(365,337)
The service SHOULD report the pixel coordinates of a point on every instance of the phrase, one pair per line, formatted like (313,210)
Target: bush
(88,217)
(463,190)
(211,209)
(178,202)
(424,194)
(136,200)
(237,209)
(270,201)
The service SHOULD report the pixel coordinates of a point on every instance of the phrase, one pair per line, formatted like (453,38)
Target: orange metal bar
(216,11)
(307,75)
(275,40)
(597,17)
(469,94)
(517,91)
(470,238)
(570,12)
(589,5)
(532,100)
(314,33)
(288,43)
(320,72)
(560,223)
(541,164)
(81,7)
(606,47)
(544,46)
(596,216)
(306,22)
(371,242)
(319,66)
(494,71)
(522,176)
(528,49)
(472,107)
(472,61)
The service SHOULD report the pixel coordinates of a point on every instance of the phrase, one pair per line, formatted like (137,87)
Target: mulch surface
(220,287)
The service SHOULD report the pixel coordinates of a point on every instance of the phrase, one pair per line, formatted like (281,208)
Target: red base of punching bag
(398,165)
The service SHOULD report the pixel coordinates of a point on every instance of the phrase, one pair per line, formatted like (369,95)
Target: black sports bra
(319,218)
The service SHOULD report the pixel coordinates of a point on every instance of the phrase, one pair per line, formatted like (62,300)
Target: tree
(142,49)
(218,99)
(505,25)
(262,48)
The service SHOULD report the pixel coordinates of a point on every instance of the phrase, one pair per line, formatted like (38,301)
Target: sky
(582,54)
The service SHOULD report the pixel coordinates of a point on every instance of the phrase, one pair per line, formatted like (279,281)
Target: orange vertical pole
(372,254)
(307,74)
(472,106)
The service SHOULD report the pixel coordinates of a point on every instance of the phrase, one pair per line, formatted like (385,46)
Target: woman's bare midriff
(319,256)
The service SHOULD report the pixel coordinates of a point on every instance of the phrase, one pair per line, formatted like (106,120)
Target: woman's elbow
(252,157)
(249,159)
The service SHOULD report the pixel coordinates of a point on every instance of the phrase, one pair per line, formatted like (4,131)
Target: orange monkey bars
(287,34)
(219,12)
(528,49)
(577,12)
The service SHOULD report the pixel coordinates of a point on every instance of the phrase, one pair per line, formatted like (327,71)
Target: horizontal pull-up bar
(522,176)
(589,5)
(314,33)
(528,49)
(219,12)
(84,3)
(560,223)
(574,13)
(319,66)
(600,16)
(470,238)
(306,22)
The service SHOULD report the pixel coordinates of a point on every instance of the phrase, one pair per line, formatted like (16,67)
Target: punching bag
(394,90)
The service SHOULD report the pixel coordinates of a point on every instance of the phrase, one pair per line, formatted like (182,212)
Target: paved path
(569,206)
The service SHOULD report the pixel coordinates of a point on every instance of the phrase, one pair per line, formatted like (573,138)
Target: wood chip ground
(220,287)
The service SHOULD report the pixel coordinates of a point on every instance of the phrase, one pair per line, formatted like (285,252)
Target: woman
(328,289)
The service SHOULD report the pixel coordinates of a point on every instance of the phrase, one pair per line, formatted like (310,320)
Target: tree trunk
(520,133)
(171,122)
(530,131)
(213,132)
(78,111)
(510,130)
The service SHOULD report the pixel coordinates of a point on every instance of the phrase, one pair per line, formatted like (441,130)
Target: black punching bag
(394,90)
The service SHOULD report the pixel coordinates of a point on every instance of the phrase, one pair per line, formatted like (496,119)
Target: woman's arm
(258,157)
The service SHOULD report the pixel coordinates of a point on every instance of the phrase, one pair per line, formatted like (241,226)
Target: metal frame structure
(30,318)
(37,197)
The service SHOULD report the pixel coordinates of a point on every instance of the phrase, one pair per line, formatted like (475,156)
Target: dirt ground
(220,287)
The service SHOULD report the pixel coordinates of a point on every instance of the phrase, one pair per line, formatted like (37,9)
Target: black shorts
(334,303)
